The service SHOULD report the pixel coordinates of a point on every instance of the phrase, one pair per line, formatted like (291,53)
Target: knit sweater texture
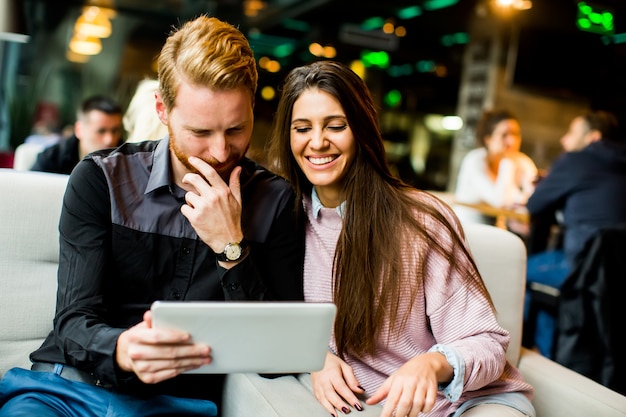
(445,312)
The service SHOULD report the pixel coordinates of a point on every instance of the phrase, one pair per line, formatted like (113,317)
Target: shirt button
(176,295)
(234,286)
(186,251)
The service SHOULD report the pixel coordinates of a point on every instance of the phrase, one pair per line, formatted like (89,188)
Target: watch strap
(222,257)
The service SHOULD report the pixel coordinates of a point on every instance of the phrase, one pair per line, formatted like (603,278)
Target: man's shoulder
(263,189)
(255,174)
(58,158)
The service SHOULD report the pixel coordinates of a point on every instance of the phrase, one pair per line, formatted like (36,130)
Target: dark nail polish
(333,415)
(358,407)
(345,410)
(360,387)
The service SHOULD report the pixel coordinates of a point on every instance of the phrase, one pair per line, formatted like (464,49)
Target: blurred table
(501,214)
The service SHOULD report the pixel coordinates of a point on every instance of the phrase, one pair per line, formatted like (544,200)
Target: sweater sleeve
(462,318)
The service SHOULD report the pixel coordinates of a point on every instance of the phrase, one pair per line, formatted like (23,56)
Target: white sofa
(30,204)
(26,155)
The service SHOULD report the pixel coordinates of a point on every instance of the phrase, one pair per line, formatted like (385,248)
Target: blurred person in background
(98,126)
(141,120)
(497,173)
(587,186)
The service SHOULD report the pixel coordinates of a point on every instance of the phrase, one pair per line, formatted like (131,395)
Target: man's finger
(235,183)
(207,171)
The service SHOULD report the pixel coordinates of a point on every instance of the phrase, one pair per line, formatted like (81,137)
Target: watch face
(232,251)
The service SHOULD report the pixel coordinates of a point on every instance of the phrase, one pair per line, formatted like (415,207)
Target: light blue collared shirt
(317,205)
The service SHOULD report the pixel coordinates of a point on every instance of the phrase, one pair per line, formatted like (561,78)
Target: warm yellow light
(330,52)
(273,66)
(264,61)
(268,93)
(358,67)
(93,22)
(74,57)
(85,45)
(400,31)
(514,4)
(316,49)
(252,8)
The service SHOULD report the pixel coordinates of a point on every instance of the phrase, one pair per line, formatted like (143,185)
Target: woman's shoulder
(425,198)
(525,160)
(474,159)
(476,153)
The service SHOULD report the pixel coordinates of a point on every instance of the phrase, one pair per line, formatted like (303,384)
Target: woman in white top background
(497,173)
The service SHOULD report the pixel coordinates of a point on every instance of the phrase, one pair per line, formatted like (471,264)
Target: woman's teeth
(321,161)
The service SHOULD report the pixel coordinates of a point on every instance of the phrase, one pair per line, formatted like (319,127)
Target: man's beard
(224,170)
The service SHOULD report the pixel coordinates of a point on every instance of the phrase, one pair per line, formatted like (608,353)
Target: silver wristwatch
(232,252)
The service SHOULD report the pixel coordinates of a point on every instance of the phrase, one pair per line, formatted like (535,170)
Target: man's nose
(111,138)
(219,148)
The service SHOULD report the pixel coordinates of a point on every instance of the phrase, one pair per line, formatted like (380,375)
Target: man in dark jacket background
(587,185)
(98,126)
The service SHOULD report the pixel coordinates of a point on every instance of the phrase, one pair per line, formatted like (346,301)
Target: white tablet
(260,337)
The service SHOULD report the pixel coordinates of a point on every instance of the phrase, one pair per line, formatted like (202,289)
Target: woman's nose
(317,138)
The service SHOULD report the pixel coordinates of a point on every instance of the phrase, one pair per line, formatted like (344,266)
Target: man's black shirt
(124,243)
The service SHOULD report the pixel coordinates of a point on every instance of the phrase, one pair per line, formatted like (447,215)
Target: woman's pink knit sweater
(444,313)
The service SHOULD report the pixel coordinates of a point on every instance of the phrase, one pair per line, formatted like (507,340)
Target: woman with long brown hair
(415,326)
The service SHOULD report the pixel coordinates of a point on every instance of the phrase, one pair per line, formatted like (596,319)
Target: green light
(594,20)
(409,12)
(372,23)
(439,4)
(425,66)
(283,51)
(378,59)
(584,8)
(393,98)
(277,46)
(297,25)
(400,70)
(619,38)
(459,38)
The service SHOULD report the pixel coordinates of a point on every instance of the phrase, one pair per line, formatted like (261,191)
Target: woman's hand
(413,387)
(335,386)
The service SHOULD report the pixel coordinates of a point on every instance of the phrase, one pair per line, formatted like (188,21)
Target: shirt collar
(316,205)
(160,173)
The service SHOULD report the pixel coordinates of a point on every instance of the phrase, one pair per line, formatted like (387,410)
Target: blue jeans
(25,393)
(550,268)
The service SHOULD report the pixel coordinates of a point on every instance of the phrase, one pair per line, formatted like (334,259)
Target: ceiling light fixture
(85,45)
(74,57)
(93,22)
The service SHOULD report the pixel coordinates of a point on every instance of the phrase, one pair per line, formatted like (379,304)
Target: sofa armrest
(561,392)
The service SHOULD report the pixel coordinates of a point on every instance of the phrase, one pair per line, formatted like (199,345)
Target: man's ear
(594,136)
(161,109)
(78,129)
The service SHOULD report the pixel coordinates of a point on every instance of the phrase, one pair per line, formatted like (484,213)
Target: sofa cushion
(30,205)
